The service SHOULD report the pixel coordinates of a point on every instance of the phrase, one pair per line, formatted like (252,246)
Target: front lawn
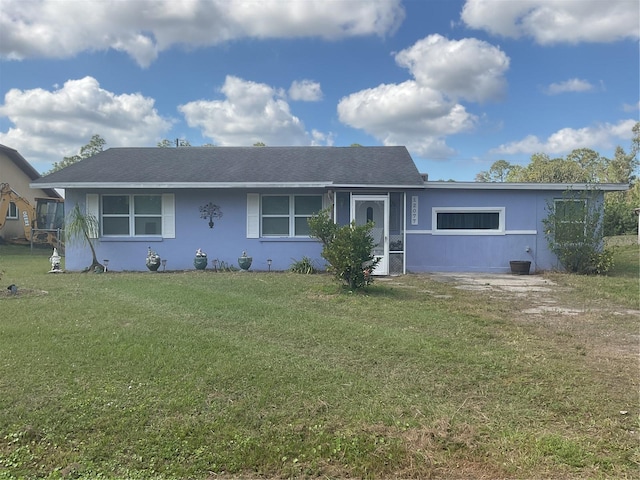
(276,375)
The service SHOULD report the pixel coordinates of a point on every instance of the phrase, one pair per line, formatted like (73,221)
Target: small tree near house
(574,232)
(83,227)
(348,249)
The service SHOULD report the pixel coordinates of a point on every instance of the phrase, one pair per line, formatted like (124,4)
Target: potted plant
(520,267)
(200,261)
(153,260)
(244,261)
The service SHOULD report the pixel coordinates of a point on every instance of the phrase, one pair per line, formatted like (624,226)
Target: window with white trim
(571,214)
(12,211)
(131,215)
(468,221)
(287,215)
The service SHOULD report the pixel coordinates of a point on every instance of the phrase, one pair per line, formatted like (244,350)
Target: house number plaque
(414,210)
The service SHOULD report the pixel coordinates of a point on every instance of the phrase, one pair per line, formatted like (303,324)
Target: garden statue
(55,261)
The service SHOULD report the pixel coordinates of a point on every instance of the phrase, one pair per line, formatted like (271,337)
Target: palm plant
(82,227)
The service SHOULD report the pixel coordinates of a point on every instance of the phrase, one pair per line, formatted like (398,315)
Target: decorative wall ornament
(210,211)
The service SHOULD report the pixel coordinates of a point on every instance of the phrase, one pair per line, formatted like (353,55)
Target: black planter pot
(520,267)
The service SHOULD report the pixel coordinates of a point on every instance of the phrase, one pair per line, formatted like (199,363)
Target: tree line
(584,165)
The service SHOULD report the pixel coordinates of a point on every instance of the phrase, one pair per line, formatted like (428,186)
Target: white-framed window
(287,215)
(468,220)
(572,214)
(12,211)
(134,215)
(131,215)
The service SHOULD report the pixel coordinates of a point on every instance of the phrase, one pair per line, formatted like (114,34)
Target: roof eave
(27,169)
(20,162)
(180,185)
(386,186)
(607,187)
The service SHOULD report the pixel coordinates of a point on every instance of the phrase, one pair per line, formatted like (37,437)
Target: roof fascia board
(527,186)
(377,186)
(166,185)
(426,185)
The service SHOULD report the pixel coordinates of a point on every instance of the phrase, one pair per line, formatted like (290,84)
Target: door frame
(382,268)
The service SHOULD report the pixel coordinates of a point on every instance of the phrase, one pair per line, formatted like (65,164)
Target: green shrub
(348,249)
(574,233)
(602,262)
(226,267)
(305,266)
(619,216)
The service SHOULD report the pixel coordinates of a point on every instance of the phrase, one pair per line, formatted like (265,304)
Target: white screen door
(374,208)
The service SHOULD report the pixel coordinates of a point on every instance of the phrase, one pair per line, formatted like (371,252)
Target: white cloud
(319,138)
(49,125)
(420,113)
(406,114)
(468,68)
(251,112)
(571,85)
(305,91)
(631,108)
(144,28)
(556,21)
(563,141)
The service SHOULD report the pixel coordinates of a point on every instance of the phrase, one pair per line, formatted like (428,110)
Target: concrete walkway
(496,281)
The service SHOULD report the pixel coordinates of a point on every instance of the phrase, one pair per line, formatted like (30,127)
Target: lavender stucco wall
(523,238)
(225,242)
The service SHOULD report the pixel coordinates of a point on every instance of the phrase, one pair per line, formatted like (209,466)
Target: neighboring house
(18,173)
(226,200)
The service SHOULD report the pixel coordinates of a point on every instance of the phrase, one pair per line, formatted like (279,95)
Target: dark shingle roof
(241,165)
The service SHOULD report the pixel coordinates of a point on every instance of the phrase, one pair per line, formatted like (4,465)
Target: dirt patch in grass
(601,328)
(21,292)
(432,448)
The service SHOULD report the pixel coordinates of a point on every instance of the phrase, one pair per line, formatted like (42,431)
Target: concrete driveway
(496,281)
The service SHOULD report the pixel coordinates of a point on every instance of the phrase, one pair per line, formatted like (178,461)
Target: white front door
(374,208)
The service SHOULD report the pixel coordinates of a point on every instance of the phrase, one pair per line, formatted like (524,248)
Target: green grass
(214,375)
(620,286)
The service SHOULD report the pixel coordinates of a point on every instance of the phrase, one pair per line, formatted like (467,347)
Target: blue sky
(460,83)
